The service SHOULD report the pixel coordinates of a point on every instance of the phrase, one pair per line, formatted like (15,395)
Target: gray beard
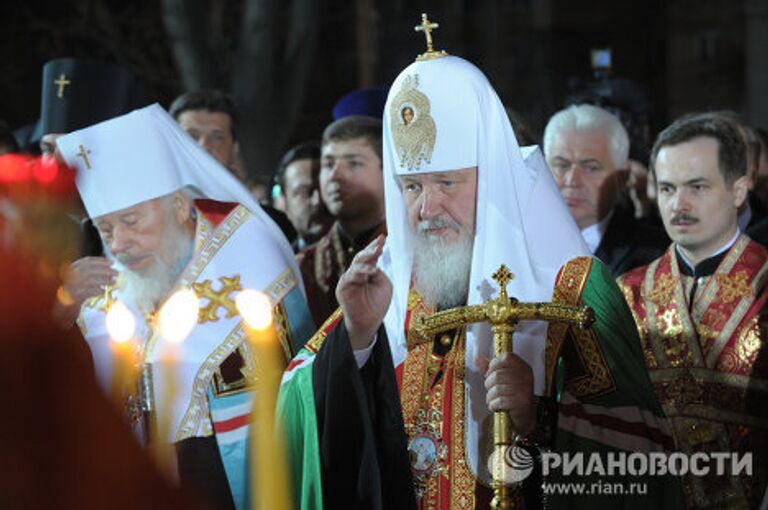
(441,270)
(148,289)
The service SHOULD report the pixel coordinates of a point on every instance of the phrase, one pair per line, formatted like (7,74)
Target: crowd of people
(407,206)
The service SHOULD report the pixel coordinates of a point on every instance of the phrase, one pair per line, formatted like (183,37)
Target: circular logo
(510,464)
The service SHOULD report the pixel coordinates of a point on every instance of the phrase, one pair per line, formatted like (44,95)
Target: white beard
(441,270)
(148,289)
(145,292)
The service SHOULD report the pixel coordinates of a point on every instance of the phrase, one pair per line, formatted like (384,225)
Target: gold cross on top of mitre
(427,27)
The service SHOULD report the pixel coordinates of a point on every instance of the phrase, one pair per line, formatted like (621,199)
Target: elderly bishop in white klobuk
(176,223)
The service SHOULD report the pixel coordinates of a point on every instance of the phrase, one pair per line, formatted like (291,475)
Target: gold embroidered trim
(708,491)
(314,343)
(417,311)
(664,323)
(759,279)
(748,344)
(568,288)
(663,290)
(629,296)
(674,343)
(281,286)
(283,330)
(424,416)
(712,288)
(221,388)
(414,372)
(733,287)
(462,491)
(571,280)
(413,129)
(716,414)
(737,315)
(711,376)
(651,311)
(203,230)
(213,244)
(597,379)
(198,406)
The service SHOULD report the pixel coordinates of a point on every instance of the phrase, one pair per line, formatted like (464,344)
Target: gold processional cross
(84,154)
(427,27)
(503,313)
(61,82)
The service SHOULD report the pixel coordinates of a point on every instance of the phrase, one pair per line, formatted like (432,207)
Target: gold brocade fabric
(432,398)
(708,361)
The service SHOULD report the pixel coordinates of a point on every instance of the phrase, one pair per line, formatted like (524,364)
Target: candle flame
(178,315)
(64,297)
(255,308)
(121,324)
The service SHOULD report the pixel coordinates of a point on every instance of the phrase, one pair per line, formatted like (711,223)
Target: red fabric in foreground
(63,445)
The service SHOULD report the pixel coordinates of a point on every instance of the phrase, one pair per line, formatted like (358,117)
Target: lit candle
(121,325)
(175,321)
(267,455)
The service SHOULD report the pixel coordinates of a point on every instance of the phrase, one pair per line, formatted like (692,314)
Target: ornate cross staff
(503,313)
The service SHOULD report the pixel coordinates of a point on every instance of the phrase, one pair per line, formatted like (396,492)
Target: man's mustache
(683,219)
(126,260)
(425,225)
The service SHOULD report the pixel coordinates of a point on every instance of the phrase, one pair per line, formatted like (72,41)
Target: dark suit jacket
(629,243)
(758,232)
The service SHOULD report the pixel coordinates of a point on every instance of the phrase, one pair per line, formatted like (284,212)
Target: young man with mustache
(698,308)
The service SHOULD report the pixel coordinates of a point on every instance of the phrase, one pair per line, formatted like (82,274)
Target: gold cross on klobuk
(84,154)
(61,82)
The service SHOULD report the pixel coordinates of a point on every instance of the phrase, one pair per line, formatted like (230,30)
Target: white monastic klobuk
(145,155)
(521,220)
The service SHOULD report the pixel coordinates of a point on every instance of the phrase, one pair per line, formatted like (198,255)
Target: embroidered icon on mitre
(413,129)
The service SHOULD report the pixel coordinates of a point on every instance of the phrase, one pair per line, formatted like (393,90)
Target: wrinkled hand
(364,293)
(84,278)
(509,386)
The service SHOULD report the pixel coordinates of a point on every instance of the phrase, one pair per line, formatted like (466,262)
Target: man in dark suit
(587,150)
